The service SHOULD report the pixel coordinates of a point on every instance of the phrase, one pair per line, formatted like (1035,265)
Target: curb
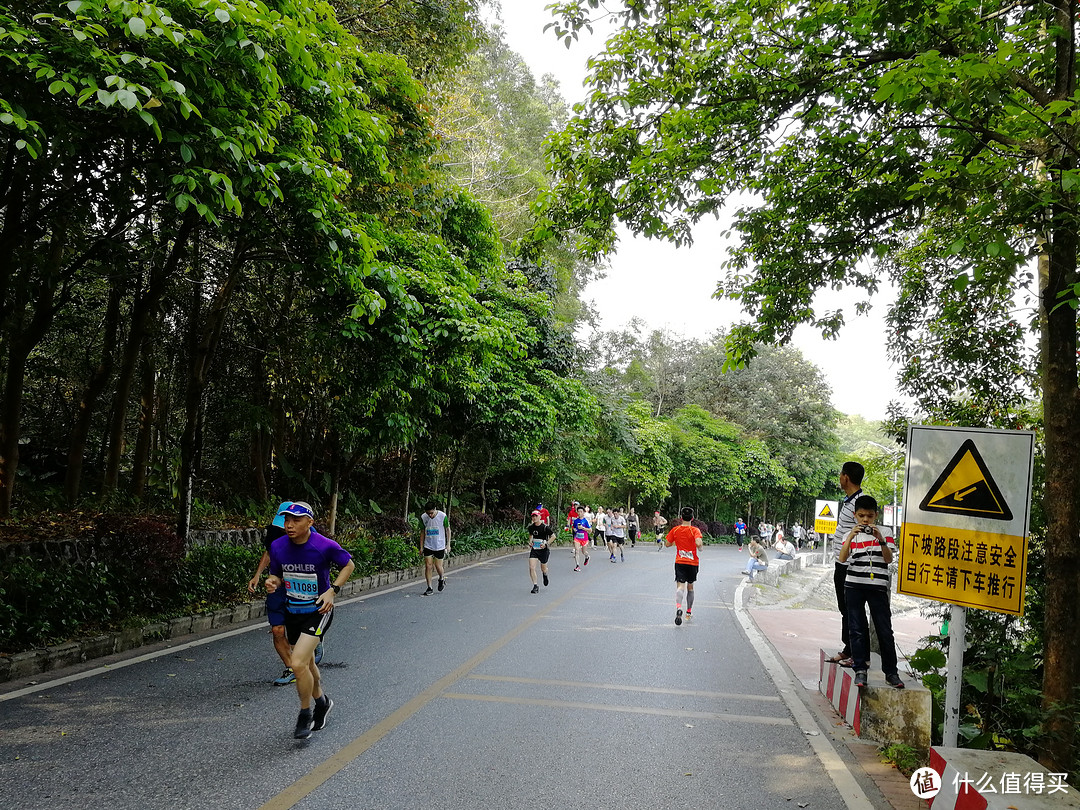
(47,659)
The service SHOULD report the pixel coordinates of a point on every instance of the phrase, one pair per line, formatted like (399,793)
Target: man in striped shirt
(868,555)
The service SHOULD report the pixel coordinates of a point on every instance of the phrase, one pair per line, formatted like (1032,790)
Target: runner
(545,515)
(436,543)
(275,602)
(300,566)
(581,541)
(599,537)
(617,534)
(659,522)
(687,540)
(632,527)
(740,532)
(539,537)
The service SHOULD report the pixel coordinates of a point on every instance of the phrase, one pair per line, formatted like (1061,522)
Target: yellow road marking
(324,771)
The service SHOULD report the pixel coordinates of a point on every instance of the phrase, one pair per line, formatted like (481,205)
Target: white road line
(624,688)
(763,720)
(846,784)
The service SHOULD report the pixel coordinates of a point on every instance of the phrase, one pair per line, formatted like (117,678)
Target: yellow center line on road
(625,688)
(324,771)
(606,707)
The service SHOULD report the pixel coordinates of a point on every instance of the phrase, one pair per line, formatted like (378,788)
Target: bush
(716,529)
(386,525)
(213,576)
(142,553)
(497,537)
(509,516)
(461,521)
(700,525)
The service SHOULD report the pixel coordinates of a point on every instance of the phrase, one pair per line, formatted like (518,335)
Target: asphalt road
(585,695)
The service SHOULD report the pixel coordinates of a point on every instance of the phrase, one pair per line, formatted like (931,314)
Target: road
(585,695)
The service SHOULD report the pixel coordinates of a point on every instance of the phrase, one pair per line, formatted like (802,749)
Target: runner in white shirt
(436,543)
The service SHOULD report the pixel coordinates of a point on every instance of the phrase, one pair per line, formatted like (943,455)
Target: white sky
(671,288)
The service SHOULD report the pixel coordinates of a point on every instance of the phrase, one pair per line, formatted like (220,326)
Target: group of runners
(301,592)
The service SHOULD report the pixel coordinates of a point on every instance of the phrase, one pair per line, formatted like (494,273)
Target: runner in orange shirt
(687,540)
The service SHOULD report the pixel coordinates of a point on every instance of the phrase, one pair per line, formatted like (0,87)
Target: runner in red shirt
(687,540)
(545,515)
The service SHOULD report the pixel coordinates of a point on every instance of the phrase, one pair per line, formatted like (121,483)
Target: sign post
(967,503)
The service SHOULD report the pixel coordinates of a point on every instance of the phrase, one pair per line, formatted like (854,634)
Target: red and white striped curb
(837,683)
(997,780)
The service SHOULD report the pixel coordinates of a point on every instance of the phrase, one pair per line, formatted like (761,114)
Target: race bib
(686,555)
(301,589)
(537,543)
(433,532)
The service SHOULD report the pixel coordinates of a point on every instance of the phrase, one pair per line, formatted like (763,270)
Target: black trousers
(840,582)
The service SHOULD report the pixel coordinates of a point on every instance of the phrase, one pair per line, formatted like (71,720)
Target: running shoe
(860,679)
(442,584)
(894,681)
(678,616)
(303,725)
(322,708)
(318,654)
(428,592)
(586,559)
(577,567)
(535,589)
(287,677)
(622,557)
(612,558)
(688,617)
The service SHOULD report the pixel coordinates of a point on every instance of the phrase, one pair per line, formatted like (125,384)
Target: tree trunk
(204,342)
(95,386)
(145,308)
(1061,418)
(408,481)
(147,399)
(335,488)
(483,484)
(450,480)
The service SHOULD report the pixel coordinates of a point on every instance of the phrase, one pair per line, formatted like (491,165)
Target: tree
(862,131)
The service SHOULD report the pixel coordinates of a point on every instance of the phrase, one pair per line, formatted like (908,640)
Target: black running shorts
(309,624)
(438,555)
(685,573)
(541,554)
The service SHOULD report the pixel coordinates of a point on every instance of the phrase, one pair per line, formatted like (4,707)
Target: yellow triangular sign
(826,512)
(965,487)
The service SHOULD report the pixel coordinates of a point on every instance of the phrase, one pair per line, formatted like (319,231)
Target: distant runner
(659,522)
(687,540)
(436,543)
(539,537)
(581,541)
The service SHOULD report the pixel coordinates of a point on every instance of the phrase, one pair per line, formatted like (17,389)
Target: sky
(671,288)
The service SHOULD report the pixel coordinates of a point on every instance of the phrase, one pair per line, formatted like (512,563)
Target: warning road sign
(966,487)
(825,517)
(967,500)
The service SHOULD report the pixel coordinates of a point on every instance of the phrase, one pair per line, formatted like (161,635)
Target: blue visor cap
(279,519)
(298,509)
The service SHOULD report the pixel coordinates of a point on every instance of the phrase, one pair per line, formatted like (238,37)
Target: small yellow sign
(963,567)
(825,517)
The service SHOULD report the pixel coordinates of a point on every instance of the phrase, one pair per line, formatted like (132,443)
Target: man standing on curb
(300,564)
(436,543)
(851,476)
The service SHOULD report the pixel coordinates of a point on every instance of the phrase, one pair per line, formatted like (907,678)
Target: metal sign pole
(954,674)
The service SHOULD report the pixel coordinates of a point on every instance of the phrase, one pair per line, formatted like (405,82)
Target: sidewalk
(799,618)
